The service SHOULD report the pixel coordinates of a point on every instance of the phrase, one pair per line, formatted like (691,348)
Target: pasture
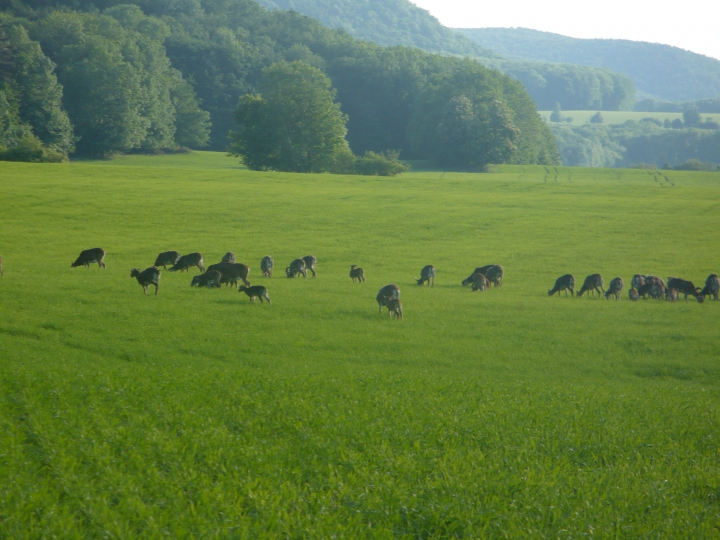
(620,117)
(498,414)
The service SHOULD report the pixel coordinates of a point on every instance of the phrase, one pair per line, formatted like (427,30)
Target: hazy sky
(690,24)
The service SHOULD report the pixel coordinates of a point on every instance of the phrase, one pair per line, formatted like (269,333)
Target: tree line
(150,76)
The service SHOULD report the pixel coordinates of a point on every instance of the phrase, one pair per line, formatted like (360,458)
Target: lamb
(633,294)
(385,294)
(480,282)
(616,286)
(296,267)
(310,263)
(563,283)
(427,274)
(149,276)
(167,257)
(357,273)
(255,290)
(593,282)
(210,279)
(712,285)
(395,308)
(229,257)
(481,270)
(671,295)
(232,272)
(657,286)
(683,286)
(185,262)
(94,255)
(266,266)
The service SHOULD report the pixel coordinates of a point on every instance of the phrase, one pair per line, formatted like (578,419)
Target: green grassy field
(503,414)
(620,117)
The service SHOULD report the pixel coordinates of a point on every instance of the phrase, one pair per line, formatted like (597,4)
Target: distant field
(194,414)
(620,117)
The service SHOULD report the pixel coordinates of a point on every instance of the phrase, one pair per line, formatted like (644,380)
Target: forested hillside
(160,75)
(660,71)
(401,22)
(387,22)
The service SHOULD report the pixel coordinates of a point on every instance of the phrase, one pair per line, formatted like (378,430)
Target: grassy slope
(194,413)
(619,117)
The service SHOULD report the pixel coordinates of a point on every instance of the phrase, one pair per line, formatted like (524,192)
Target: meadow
(620,117)
(501,414)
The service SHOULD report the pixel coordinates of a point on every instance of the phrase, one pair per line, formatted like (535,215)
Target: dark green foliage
(667,72)
(677,124)
(472,116)
(596,145)
(31,149)
(30,96)
(691,118)
(557,115)
(294,125)
(597,118)
(380,164)
(575,87)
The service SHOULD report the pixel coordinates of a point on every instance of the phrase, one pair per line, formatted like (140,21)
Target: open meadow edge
(503,413)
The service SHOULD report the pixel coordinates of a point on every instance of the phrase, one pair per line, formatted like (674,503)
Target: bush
(30,149)
(696,165)
(677,124)
(653,121)
(642,166)
(383,164)
(709,124)
(597,118)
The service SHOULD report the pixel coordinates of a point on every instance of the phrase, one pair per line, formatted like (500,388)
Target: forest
(101,78)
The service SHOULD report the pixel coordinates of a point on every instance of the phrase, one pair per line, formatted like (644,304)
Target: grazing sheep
(296,267)
(481,270)
(633,294)
(671,295)
(616,286)
(232,272)
(229,257)
(310,263)
(683,286)
(638,281)
(593,282)
(167,257)
(646,290)
(427,274)
(712,285)
(385,294)
(657,287)
(94,255)
(266,266)
(149,276)
(563,283)
(185,262)
(210,279)
(255,290)
(357,273)
(480,282)
(395,308)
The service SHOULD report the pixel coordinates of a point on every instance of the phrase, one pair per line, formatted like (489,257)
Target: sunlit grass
(497,414)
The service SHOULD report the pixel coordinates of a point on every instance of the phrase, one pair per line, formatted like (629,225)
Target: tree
(294,125)
(597,118)
(557,115)
(691,118)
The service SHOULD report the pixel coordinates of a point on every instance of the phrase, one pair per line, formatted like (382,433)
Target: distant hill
(386,22)
(659,71)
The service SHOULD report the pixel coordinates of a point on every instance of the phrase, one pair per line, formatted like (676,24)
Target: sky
(689,24)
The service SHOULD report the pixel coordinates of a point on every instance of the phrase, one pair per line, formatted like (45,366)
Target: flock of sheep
(645,286)
(230,272)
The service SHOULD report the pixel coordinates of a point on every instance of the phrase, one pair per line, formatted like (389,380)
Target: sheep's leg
(157,286)
(145,289)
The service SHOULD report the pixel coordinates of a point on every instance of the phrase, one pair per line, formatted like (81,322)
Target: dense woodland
(157,76)
(658,71)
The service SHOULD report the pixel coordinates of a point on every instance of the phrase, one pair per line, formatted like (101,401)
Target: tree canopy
(294,125)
